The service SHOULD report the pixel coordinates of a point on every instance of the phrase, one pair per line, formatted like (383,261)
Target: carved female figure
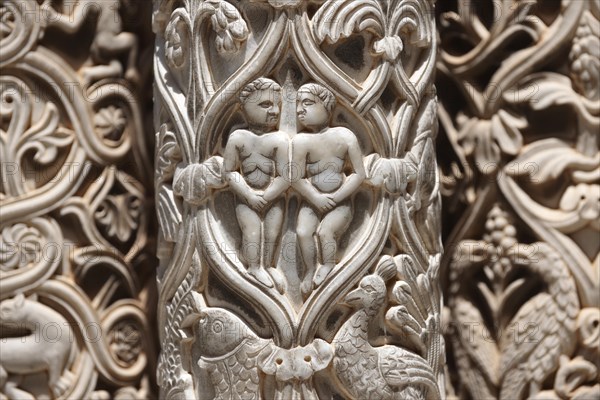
(254,162)
(319,157)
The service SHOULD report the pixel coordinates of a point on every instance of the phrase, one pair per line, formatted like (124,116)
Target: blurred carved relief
(298,200)
(74,254)
(520,115)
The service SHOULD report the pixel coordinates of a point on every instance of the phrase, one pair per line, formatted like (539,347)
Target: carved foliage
(73,212)
(294,150)
(525,158)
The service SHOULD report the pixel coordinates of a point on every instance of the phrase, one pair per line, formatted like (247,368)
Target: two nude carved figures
(262,163)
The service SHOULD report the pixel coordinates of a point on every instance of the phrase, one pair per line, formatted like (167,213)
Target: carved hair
(258,85)
(324,94)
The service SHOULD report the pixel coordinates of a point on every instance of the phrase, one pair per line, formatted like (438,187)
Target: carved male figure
(254,163)
(319,157)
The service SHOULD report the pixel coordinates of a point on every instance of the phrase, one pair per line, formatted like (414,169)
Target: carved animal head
(370,294)
(219,331)
(12,310)
(371,291)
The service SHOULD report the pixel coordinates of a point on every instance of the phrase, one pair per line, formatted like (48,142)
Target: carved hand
(256,200)
(323,202)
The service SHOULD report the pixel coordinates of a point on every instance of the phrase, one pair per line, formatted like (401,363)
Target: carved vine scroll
(298,199)
(74,213)
(521,175)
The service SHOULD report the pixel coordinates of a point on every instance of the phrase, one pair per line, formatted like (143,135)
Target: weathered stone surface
(298,200)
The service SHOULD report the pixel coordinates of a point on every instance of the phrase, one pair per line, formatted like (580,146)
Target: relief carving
(74,253)
(298,200)
(521,182)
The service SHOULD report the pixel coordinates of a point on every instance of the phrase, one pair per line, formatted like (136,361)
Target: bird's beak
(352,299)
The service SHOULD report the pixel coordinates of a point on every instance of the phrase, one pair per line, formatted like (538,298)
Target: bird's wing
(532,347)
(481,351)
(401,367)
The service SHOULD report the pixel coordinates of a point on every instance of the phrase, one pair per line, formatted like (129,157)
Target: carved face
(311,111)
(9,309)
(262,110)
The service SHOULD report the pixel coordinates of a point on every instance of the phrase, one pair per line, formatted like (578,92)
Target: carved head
(219,331)
(260,102)
(11,309)
(370,294)
(314,106)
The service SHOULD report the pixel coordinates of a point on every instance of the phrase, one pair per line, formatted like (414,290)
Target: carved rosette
(368,324)
(73,208)
(520,176)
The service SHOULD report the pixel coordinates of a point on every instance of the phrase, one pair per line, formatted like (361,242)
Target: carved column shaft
(521,178)
(74,279)
(298,199)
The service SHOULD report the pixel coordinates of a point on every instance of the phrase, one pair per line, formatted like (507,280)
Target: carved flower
(126,342)
(119,215)
(488,139)
(174,43)
(585,57)
(19,246)
(110,122)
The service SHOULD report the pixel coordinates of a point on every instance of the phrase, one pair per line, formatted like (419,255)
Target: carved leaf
(45,137)
(338,19)
(194,181)
(546,160)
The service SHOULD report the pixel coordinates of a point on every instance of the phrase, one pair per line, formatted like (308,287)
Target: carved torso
(257,155)
(326,155)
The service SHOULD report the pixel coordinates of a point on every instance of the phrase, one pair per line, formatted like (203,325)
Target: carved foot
(62,385)
(261,276)
(321,274)
(278,278)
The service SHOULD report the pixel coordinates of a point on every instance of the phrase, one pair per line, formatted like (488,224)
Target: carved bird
(548,318)
(227,349)
(384,372)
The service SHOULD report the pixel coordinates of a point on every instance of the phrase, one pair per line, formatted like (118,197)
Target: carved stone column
(74,259)
(298,199)
(520,112)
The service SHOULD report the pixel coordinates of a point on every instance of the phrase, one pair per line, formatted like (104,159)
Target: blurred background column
(77,251)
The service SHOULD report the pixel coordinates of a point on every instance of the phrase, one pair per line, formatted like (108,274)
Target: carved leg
(330,229)
(98,72)
(14,393)
(305,230)
(250,224)
(58,382)
(272,225)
